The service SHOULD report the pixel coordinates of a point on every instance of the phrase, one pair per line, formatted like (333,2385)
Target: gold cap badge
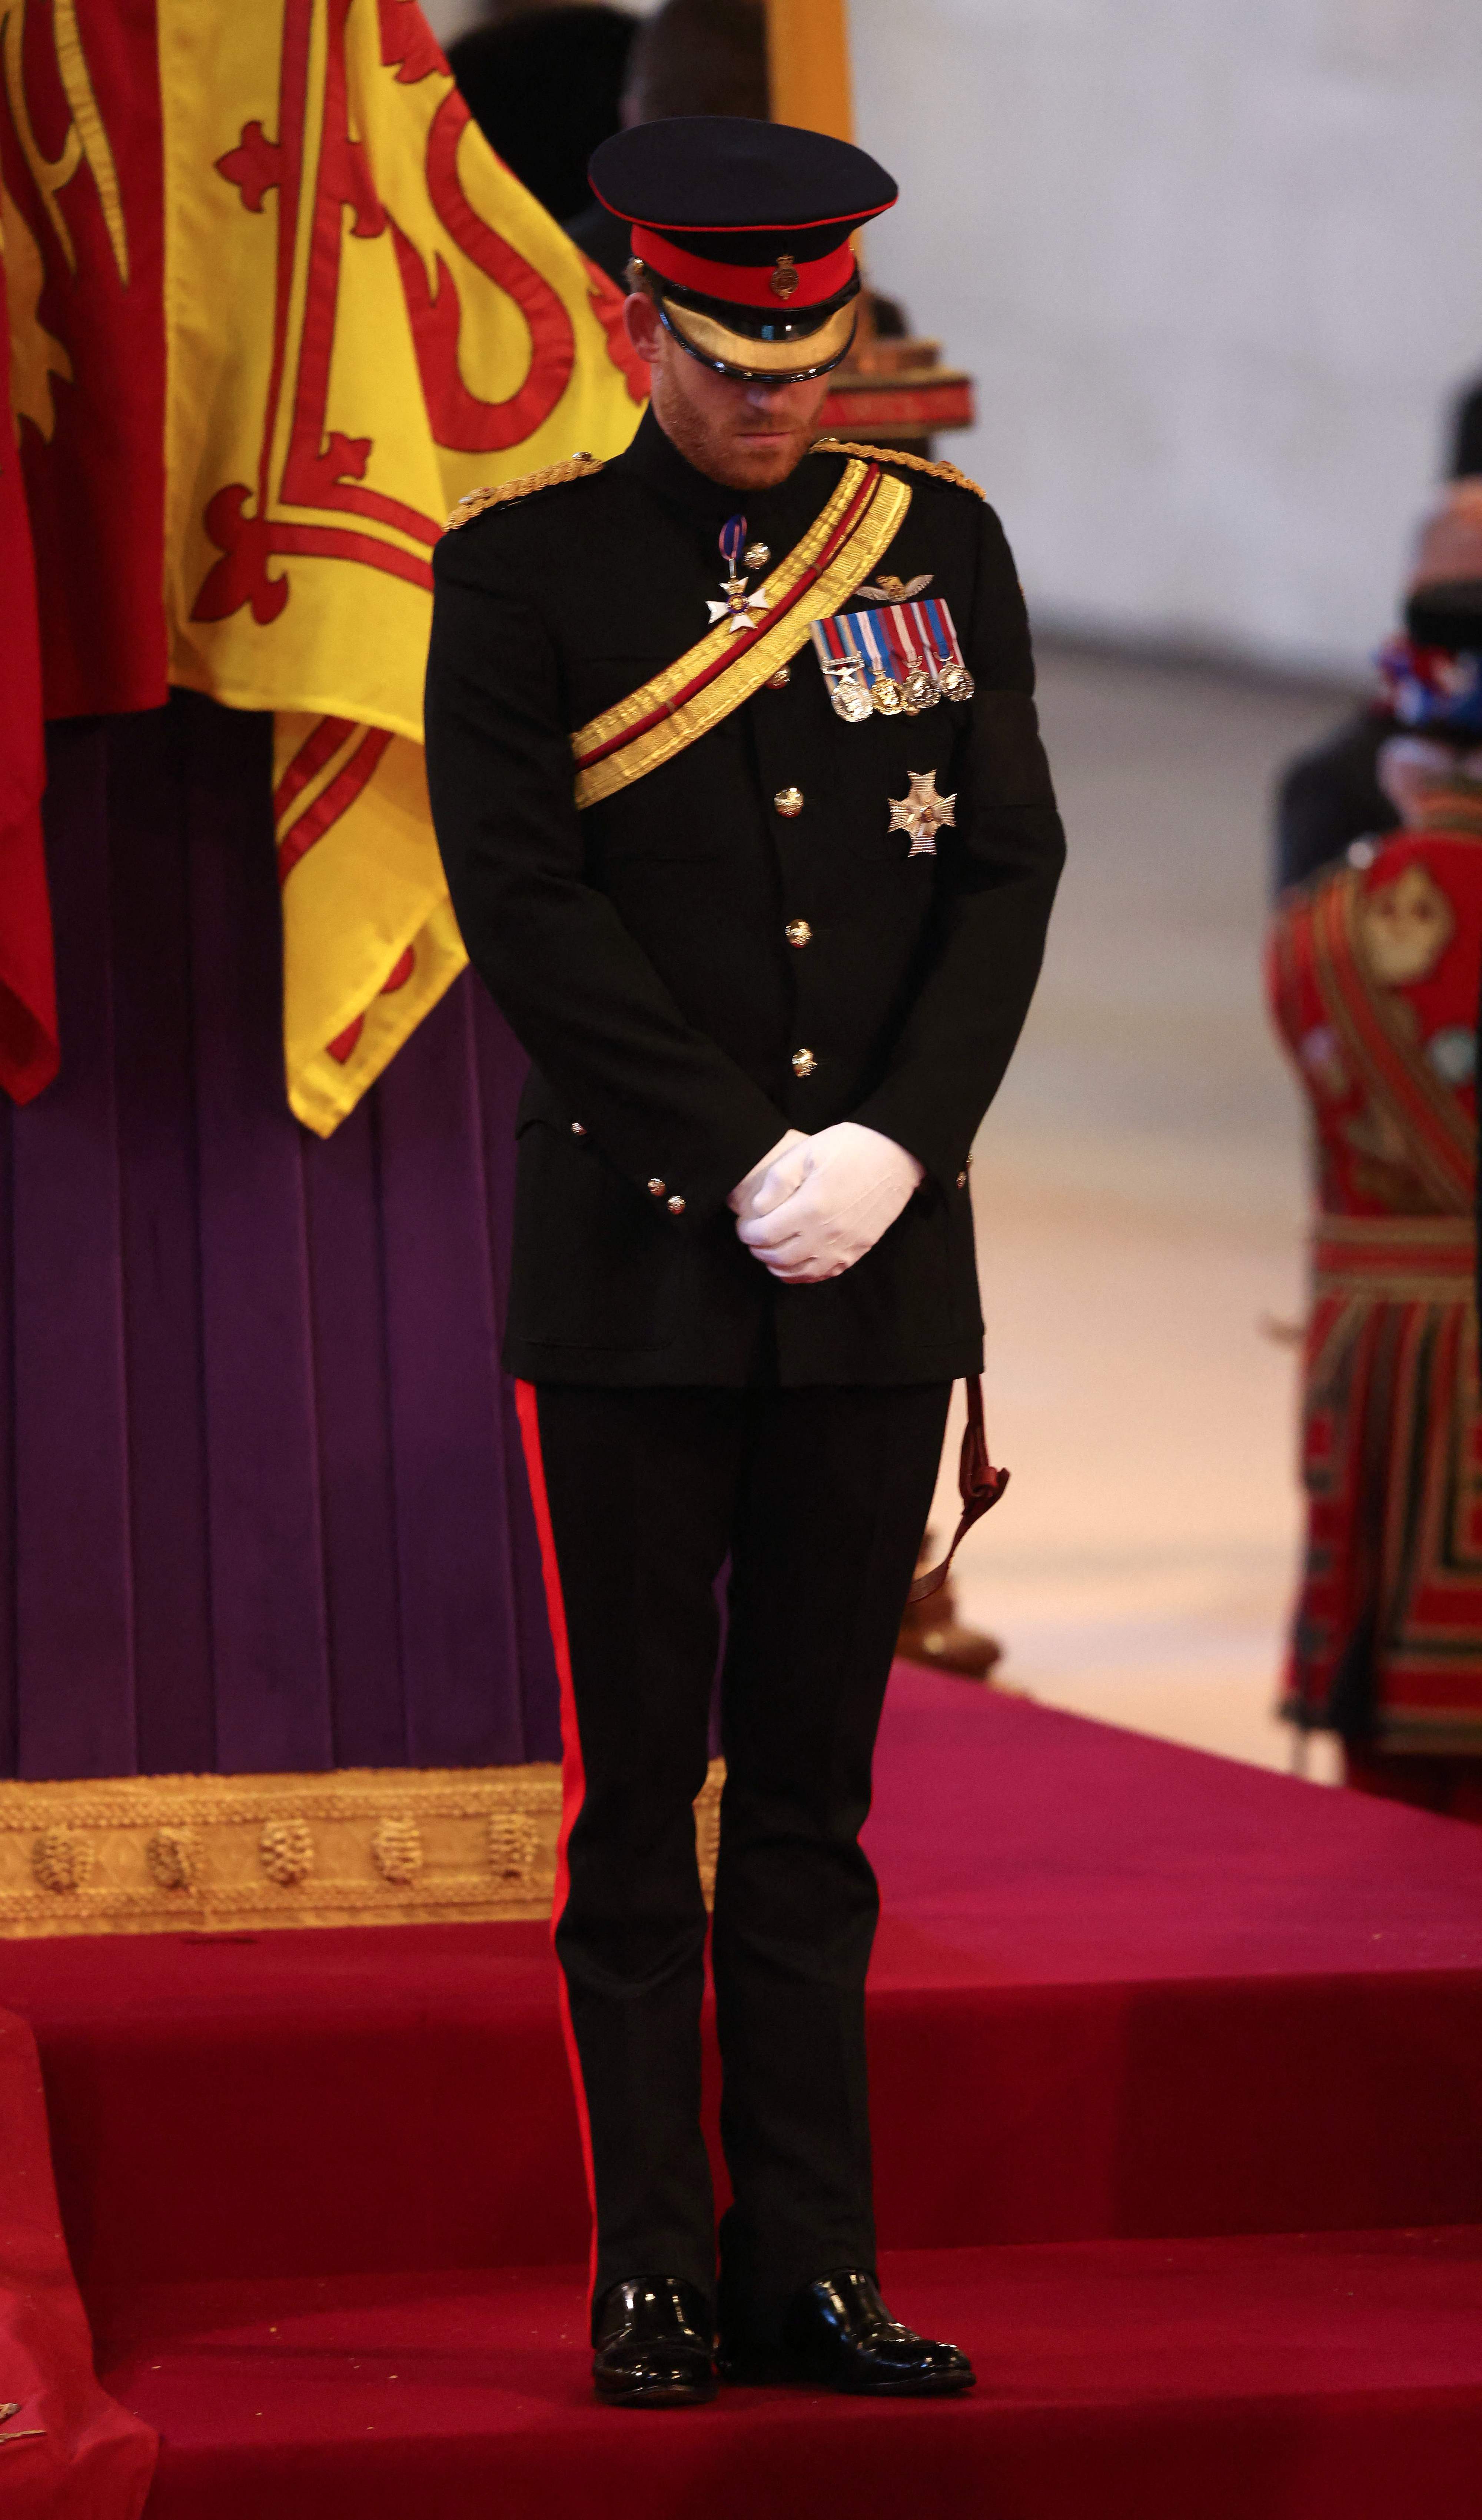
(784,281)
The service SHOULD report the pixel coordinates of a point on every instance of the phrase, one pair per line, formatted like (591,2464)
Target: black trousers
(819,1496)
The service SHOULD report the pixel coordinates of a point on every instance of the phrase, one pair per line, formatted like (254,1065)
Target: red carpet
(66,2451)
(1140,2021)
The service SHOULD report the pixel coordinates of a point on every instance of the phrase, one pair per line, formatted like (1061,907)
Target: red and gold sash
(1438,1134)
(1393,1259)
(723,669)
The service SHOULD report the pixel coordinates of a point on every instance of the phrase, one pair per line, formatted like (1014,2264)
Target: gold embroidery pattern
(396,1848)
(685,720)
(514,1843)
(895,455)
(362,1847)
(287,1848)
(173,1856)
(1403,928)
(60,1861)
(708,1836)
(571,468)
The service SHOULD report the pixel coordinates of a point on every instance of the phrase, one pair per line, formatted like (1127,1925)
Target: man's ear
(641,323)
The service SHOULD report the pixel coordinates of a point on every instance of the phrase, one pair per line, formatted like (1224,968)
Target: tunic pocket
(590,1258)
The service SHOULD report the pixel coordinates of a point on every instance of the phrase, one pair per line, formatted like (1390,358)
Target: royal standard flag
(364,316)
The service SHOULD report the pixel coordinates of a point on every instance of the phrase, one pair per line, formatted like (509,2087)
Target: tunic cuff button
(803,1062)
(656,1188)
(676,1206)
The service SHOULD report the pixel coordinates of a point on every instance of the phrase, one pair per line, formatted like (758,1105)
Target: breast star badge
(924,813)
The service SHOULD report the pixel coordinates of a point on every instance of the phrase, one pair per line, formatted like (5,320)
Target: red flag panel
(27,990)
(81,155)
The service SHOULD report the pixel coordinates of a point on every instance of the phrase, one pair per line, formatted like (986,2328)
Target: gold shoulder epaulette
(894,455)
(572,468)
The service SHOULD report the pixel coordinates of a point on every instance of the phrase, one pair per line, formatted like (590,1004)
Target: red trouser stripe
(573,1781)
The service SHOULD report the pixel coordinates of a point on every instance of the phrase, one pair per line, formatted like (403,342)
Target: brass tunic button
(577,1131)
(961,1181)
(803,1062)
(779,681)
(788,801)
(757,554)
(798,932)
(675,1206)
(656,1188)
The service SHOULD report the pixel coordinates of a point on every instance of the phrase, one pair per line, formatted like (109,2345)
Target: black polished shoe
(652,2344)
(839,2335)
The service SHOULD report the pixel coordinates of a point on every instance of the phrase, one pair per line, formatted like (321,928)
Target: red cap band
(746,283)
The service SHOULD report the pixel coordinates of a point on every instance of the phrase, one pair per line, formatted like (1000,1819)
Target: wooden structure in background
(890,392)
(896,394)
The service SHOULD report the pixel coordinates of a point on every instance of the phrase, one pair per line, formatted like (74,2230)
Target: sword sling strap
(979,1485)
(835,554)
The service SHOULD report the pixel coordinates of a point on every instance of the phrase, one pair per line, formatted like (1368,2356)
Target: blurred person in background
(691,57)
(1375,968)
(1330,795)
(699,57)
(544,87)
(1466,434)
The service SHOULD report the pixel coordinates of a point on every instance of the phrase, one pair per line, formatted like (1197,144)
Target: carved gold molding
(147,1855)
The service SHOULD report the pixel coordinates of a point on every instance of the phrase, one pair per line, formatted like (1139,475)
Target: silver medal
(917,691)
(850,695)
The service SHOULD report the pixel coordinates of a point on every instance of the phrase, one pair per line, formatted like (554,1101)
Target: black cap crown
(743,231)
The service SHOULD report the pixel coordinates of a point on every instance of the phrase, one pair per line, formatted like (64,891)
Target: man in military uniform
(737,777)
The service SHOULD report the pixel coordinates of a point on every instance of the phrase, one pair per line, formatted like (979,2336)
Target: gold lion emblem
(1405,926)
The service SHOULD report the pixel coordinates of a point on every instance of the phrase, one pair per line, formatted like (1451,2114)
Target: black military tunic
(738,943)
(735,944)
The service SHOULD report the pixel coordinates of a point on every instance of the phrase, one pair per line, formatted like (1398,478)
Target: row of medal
(893,662)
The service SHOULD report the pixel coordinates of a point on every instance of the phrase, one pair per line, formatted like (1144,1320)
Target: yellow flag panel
(367,316)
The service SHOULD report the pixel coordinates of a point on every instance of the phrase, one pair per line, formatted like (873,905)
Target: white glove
(790,1173)
(854,1183)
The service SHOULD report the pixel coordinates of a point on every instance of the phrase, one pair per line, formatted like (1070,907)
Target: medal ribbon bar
(898,656)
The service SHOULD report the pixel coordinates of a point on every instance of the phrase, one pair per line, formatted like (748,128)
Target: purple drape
(262,1505)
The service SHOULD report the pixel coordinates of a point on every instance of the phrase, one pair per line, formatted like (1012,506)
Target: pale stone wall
(1216,266)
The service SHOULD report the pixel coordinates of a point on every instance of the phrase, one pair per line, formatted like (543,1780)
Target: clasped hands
(815,1205)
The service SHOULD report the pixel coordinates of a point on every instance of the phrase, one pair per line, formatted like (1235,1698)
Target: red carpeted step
(1336,2378)
(1120,1989)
